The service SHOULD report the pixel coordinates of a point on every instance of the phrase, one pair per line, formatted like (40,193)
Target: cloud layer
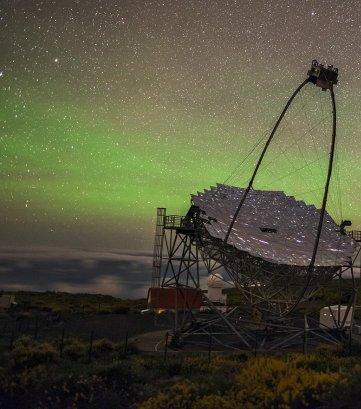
(122,274)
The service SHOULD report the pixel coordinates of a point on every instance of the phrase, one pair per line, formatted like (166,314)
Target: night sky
(112,108)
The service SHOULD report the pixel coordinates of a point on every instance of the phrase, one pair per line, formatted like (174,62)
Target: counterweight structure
(275,253)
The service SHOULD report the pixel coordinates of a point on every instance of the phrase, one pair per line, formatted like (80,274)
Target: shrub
(314,362)
(31,376)
(269,382)
(347,393)
(72,393)
(182,395)
(195,365)
(223,365)
(214,402)
(104,345)
(74,348)
(137,365)
(28,353)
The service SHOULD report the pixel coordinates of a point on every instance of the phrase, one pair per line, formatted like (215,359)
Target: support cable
(250,184)
(239,166)
(283,152)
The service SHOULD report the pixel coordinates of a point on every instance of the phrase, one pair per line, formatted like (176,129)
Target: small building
(214,291)
(174,298)
(333,317)
(6,301)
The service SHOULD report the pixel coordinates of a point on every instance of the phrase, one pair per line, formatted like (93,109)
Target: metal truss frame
(189,254)
(270,294)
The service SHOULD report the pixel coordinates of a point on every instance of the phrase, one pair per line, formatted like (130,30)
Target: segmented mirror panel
(273,226)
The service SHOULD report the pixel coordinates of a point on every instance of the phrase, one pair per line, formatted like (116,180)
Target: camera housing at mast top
(322,76)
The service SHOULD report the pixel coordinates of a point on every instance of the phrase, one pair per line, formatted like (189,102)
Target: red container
(168,298)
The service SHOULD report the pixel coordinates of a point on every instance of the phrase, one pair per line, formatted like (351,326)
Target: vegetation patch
(37,374)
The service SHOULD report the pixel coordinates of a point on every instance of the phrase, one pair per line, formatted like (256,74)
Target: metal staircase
(158,246)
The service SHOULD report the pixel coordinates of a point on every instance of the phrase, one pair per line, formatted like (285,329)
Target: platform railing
(173,221)
(355,234)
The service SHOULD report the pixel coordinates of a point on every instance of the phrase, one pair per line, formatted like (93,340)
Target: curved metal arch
(324,201)
(311,266)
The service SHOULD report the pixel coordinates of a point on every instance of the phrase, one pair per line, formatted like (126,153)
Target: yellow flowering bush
(27,353)
(194,364)
(33,375)
(181,395)
(224,364)
(270,382)
(215,402)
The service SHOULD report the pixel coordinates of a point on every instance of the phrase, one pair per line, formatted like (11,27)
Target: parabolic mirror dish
(273,227)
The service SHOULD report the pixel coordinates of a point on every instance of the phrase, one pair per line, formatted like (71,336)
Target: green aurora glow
(87,158)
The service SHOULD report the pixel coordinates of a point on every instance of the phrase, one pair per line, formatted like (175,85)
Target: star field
(112,108)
